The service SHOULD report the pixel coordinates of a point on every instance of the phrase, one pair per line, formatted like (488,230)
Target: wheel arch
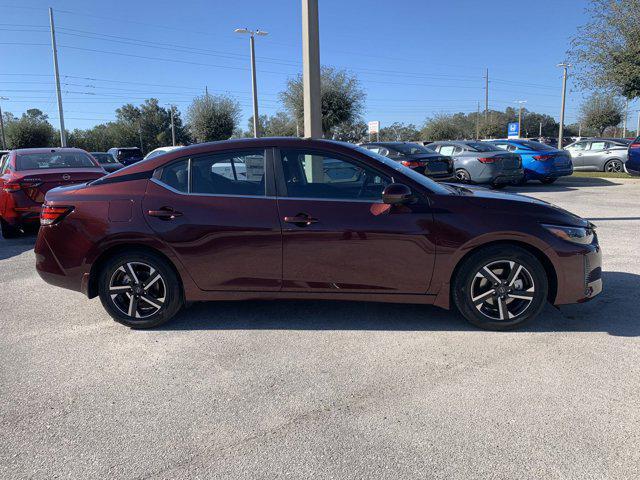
(549,268)
(607,160)
(96,267)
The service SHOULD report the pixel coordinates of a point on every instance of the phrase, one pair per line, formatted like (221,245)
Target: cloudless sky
(414,58)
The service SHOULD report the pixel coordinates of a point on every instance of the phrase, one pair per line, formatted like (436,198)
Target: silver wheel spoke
(154,280)
(489,275)
(503,309)
(522,295)
(133,306)
(513,276)
(133,274)
(152,302)
(482,297)
(119,288)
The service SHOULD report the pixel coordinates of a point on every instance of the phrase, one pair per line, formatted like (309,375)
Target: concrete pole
(540,131)
(486,96)
(254,87)
(638,125)
(478,123)
(311,69)
(626,114)
(565,67)
(63,134)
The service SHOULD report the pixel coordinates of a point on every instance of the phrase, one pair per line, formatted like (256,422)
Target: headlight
(581,235)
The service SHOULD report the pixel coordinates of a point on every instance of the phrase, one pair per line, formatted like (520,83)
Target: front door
(338,236)
(214,212)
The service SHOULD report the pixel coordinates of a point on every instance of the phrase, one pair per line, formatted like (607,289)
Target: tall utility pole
(311,69)
(254,86)
(4,140)
(540,131)
(63,134)
(565,67)
(173,128)
(478,123)
(626,114)
(638,125)
(520,102)
(486,95)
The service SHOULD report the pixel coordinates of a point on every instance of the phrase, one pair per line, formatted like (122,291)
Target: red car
(26,175)
(278,218)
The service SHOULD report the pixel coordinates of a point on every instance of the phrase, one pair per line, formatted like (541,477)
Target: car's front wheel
(614,166)
(463,176)
(500,288)
(140,289)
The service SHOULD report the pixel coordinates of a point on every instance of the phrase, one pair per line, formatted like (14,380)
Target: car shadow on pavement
(565,184)
(16,246)
(611,312)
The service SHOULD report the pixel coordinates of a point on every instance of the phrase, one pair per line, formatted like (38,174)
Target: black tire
(487,311)
(520,182)
(498,186)
(165,292)
(463,176)
(614,166)
(8,231)
(548,181)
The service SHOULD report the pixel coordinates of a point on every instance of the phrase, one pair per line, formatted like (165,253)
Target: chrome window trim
(193,194)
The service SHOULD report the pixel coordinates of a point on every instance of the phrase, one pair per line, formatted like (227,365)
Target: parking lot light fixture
(254,88)
(565,67)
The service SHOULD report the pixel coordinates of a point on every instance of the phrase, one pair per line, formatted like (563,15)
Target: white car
(159,151)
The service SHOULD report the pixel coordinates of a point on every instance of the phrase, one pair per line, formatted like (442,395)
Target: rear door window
(447,150)
(234,173)
(598,146)
(176,176)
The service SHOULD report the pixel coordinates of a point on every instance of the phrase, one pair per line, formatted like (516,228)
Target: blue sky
(414,58)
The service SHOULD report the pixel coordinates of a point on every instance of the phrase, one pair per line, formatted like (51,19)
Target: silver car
(481,162)
(599,154)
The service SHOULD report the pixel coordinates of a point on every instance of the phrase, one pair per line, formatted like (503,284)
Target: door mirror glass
(397,194)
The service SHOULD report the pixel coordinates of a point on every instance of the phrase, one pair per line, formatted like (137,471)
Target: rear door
(594,154)
(337,234)
(218,212)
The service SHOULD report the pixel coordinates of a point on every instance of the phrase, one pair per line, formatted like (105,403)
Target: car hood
(515,203)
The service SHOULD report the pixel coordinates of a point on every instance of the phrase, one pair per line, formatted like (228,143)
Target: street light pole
(254,86)
(626,115)
(520,102)
(173,129)
(565,67)
(4,141)
(311,69)
(63,133)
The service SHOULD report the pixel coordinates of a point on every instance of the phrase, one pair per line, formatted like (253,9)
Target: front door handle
(301,220)
(165,213)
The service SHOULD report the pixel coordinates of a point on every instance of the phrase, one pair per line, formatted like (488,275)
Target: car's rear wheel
(498,186)
(548,181)
(463,176)
(8,231)
(140,289)
(614,166)
(500,288)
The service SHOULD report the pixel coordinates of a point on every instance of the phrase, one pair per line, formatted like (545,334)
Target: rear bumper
(548,172)
(50,268)
(579,276)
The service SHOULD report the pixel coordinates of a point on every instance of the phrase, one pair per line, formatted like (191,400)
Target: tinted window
(126,153)
(237,173)
(411,148)
(537,146)
(36,161)
(323,175)
(176,176)
(482,147)
(103,157)
(578,146)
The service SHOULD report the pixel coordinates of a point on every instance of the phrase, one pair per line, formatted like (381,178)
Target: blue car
(540,162)
(633,161)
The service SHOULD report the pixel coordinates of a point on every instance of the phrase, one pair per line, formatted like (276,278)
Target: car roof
(49,150)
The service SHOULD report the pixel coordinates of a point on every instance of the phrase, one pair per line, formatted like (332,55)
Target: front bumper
(579,276)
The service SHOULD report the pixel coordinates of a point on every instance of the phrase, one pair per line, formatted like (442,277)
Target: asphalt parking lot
(328,390)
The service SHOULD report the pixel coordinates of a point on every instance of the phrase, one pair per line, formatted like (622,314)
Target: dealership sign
(374,127)
(513,130)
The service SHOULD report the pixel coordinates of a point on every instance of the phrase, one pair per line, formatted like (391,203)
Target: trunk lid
(36,183)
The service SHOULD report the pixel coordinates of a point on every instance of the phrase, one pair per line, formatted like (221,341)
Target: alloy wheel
(614,166)
(462,176)
(502,290)
(137,289)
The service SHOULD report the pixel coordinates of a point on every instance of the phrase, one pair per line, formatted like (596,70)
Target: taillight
(14,187)
(487,159)
(634,145)
(50,214)
(411,164)
(542,158)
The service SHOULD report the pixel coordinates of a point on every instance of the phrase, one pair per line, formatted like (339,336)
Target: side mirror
(397,194)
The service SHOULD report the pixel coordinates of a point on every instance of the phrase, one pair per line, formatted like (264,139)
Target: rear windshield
(37,161)
(410,148)
(129,153)
(537,146)
(483,147)
(104,157)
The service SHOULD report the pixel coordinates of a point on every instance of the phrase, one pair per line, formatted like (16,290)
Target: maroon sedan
(309,219)
(26,175)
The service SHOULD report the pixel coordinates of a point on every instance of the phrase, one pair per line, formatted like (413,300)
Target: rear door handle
(165,213)
(301,220)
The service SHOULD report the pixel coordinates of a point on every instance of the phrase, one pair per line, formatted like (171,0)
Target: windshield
(483,147)
(537,146)
(104,157)
(406,171)
(410,148)
(37,161)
